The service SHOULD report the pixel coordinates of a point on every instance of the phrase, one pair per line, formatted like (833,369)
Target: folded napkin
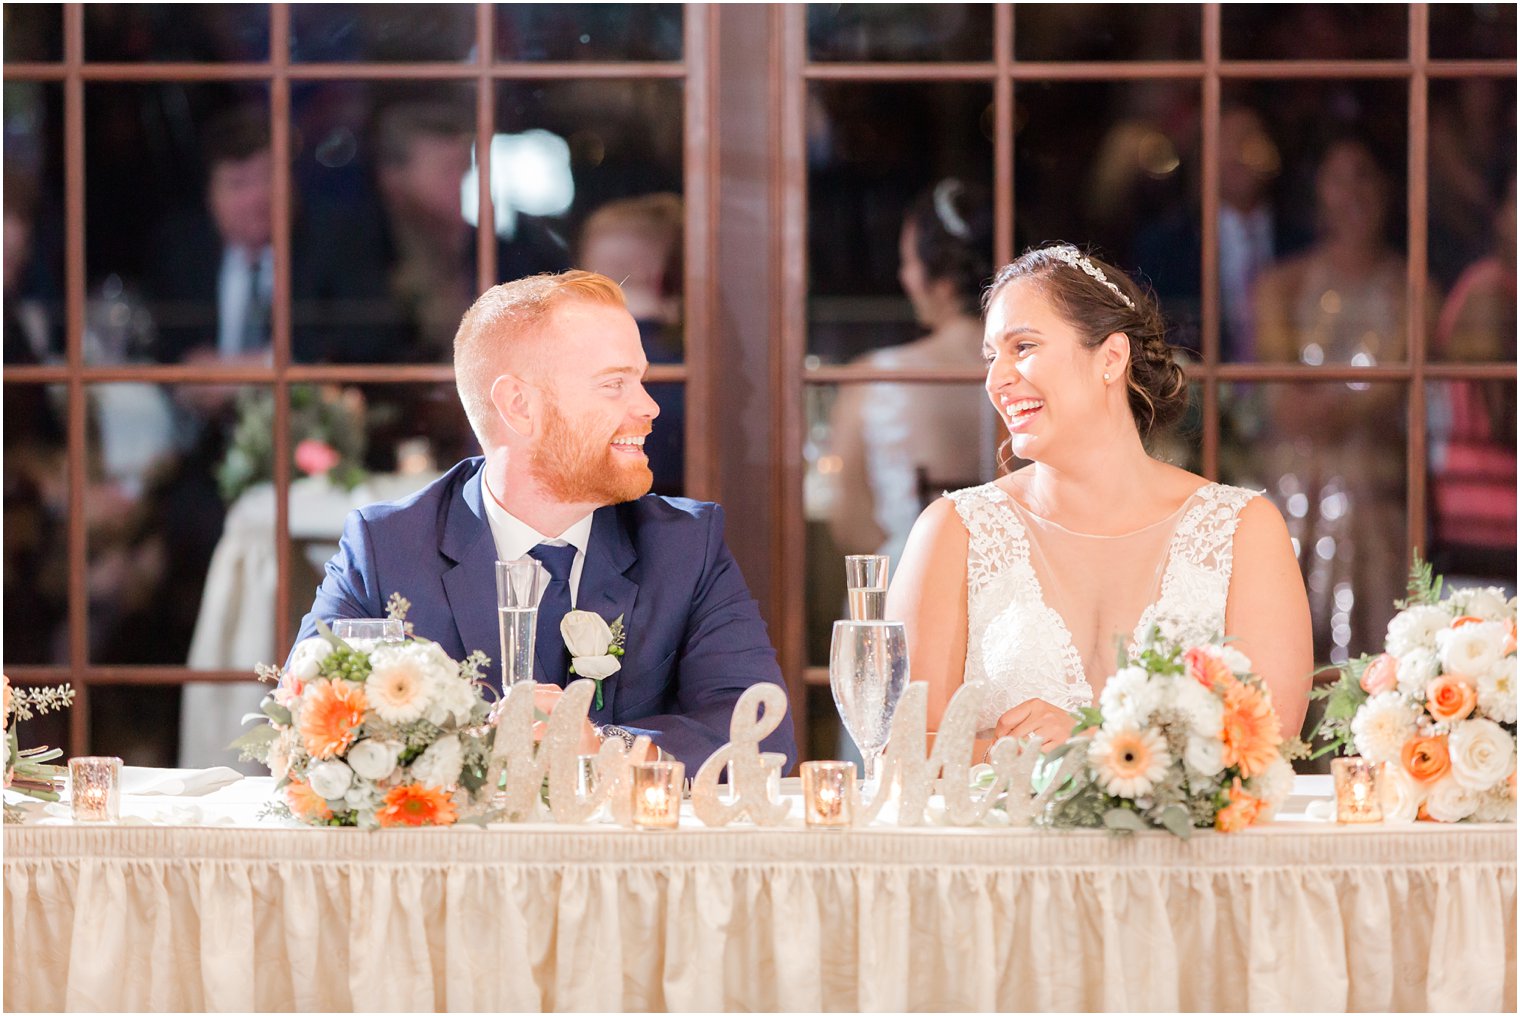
(144,781)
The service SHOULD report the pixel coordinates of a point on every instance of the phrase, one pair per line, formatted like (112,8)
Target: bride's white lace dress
(1045,605)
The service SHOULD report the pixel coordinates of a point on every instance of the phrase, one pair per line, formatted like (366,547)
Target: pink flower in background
(315,458)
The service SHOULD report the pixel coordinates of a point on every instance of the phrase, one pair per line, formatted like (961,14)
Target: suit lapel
(605,589)
(471,584)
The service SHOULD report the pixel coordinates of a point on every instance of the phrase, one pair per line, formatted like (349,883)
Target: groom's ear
(516,403)
(1115,354)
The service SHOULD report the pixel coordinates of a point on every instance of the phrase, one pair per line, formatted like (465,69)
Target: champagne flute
(868,672)
(520,585)
(865,576)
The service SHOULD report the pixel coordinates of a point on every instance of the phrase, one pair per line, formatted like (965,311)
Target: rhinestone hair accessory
(1071,256)
(945,193)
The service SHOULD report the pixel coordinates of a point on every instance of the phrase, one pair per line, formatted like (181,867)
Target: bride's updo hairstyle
(1097,300)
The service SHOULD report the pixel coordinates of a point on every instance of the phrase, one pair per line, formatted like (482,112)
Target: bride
(1030,581)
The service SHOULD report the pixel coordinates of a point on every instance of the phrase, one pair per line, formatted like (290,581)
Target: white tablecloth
(1298,915)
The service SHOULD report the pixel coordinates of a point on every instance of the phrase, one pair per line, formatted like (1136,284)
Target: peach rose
(1426,758)
(1381,675)
(1450,697)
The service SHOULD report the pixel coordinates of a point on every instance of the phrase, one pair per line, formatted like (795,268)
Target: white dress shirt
(232,297)
(514,537)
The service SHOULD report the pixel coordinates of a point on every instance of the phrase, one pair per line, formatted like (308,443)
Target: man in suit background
(550,371)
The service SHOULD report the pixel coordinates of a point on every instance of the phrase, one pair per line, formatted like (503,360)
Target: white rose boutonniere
(595,646)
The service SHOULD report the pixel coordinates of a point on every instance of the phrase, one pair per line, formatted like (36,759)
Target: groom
(550,371)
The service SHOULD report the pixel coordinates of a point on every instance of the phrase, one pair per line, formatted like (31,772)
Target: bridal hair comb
(1071,256)
(944,209)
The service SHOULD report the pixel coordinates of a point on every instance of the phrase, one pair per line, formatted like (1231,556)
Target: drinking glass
(520,585)
(365,633)
(866,577)
(868,671)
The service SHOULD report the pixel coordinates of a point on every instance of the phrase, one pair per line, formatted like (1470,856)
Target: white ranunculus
(1488,603)
(440,765)
(597,668)
(1204,755)
(1482,754)
(1449,801)
(306,658)
(1472,649)
(362,796)
(1382,725)
(373,758)
(1401,794)
(1496,692)
(1273,785)
(1416,628)
(453,700)
(1128,698)
(585,633)
(1417,668)
(1200,706)
(330,779)
(1236,660)
(1495,806)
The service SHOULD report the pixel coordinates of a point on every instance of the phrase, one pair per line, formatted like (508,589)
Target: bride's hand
(1036,716)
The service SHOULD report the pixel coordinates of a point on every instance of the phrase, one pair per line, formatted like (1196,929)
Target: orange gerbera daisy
(1252,730)
(306,803)
(1206,668)
(415,805)
(330,717)
(1242,810)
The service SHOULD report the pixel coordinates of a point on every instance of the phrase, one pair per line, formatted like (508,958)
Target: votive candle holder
(828,794)
(95,788)
(657,794)
(1356,791)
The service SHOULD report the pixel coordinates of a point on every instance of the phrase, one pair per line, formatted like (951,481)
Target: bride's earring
(1106,377)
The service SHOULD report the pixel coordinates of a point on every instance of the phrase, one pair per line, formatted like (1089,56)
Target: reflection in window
(33,32)
(1472,31)
(588,31)
(862,32)
(197,33)
(36,524)
(381,33)
(1314,31)
(1472,162)
(1471,445)
(1107,32)
(33,262)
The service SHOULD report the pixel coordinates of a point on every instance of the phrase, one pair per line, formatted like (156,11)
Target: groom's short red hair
(491,337)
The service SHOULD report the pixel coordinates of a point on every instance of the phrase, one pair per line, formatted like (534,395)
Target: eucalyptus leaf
(1177,821)
(254,740)
(1123,820)
(275,711)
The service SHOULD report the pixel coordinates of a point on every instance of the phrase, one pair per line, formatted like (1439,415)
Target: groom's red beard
(578,468)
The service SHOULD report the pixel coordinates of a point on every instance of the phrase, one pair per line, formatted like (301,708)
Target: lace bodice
(1024,647)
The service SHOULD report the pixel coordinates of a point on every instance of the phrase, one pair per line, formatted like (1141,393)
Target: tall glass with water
(365,633)
(868,672)
(520,585)
(865,576)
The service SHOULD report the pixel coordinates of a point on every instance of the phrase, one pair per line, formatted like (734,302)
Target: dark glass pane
(162,499)
(1312,222)
(588,31)
(1331,456)
(571,156)
(180,33)
(900,32)
(381,33)
(138,724)
(34,270)
(1472,31)
(1314,31)
(178,206)
(36,525)
(33,32)
(1116,168)
(1107,32)
(1472,200)
(383,250)
(899,222)
(1471,442)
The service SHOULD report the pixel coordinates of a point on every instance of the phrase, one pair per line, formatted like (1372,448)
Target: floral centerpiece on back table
(1436,707)
(1182,738)
(393,736)
(27,770)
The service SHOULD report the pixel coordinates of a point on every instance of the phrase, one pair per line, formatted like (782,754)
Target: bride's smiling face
(1041,379)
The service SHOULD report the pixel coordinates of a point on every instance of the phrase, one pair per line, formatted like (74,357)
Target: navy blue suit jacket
(695,640)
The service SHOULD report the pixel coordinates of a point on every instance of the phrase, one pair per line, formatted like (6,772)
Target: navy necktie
(549,645)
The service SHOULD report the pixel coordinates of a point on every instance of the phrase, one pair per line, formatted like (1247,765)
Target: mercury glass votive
(657,794)
(1356,791)
(95,788)
(828,794)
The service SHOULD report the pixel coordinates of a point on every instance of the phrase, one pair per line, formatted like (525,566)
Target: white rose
(1382,725)
(1495,806)
(1487,603)
(585,633)
(440,765)
(1417,668)
(374,759)
(306,658)
(1202,708)
(597,668)
(362,796)
(331,779)
(1449,801)
(1236,660)
(453,699)
(1496,692)
(1482,754)
(1402,794)
(1416,628)
(1127,699)
(1204,755)
(1472,649)
(1274,785)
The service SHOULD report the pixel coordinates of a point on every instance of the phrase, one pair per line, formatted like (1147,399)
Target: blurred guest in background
(638,243)
(30,335)
(888,436)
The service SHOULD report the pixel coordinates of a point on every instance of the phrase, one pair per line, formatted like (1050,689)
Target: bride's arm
(1268,611)
(928,594)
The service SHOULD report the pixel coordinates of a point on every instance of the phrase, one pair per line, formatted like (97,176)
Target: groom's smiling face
(595,411)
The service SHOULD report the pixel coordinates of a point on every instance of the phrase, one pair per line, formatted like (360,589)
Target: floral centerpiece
(327,427)
(1182,738)
(27,770)
(396,735)
(1437,707)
